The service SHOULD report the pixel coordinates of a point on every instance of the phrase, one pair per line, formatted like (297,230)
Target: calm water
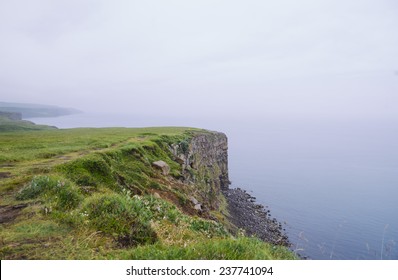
(334,183)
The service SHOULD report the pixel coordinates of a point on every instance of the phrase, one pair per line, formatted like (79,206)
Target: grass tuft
(212,249)
(126,219)
(59,191)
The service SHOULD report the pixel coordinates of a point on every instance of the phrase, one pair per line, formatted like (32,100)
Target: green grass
(43,144)
(94,194)
(7,125)
(242,248)
(59,192)
(125,218)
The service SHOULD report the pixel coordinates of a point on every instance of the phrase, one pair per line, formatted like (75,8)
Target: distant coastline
(28,110)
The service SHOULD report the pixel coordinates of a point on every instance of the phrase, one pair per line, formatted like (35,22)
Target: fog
(193,58)
(253,69)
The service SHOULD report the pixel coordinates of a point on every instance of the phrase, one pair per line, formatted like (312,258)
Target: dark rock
(205,151)
(253,218)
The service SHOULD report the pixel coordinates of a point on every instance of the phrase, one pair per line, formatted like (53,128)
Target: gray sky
(254,57)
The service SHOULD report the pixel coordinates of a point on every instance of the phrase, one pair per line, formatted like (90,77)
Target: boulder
(156,195)
(193,200)
(180,159)
(162,166)
(198,207)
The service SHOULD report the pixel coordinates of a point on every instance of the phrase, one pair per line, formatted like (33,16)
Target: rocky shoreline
(254,218)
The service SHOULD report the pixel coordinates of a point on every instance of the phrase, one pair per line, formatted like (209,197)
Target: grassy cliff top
(93,194)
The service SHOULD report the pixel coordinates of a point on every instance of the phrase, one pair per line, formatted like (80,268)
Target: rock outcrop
(204,162)
(161,165)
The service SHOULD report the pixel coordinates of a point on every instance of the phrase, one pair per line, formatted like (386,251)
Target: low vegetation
(7,125)
(93,194)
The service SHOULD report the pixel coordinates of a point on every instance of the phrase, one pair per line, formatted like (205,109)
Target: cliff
(144,193)
(204,163)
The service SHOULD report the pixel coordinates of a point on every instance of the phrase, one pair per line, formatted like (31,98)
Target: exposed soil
(4,175)
(253,218)
(186,208)
(10,213)
(6,165)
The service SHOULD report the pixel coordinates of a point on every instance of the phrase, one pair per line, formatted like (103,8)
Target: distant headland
(28,110)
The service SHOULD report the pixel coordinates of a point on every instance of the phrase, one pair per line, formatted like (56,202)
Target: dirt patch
(185,206)
(7,165)
(171,197)
(64,157)
(4,175)
(10,213)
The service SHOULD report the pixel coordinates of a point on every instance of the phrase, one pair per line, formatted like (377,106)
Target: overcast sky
(316,57)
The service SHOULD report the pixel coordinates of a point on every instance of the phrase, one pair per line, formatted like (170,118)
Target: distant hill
(28,110)
(8,125)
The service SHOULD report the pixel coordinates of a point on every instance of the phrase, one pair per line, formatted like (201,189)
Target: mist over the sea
(305,90)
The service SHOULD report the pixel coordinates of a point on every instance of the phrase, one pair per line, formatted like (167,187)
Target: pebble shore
(254,218)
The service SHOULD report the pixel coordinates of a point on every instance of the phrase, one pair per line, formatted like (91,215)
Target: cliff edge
(204,162)
(126,193)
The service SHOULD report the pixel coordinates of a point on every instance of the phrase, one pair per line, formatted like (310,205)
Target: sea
(332,183)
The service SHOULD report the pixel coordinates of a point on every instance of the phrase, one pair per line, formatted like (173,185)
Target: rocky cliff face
(204,161)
